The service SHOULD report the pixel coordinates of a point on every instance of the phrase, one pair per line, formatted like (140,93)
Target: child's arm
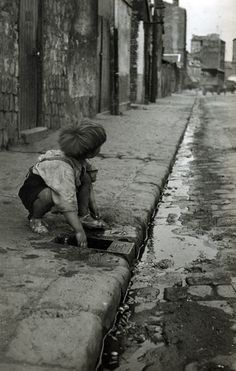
(73,219)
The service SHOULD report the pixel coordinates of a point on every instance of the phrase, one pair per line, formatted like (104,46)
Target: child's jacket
(63,175)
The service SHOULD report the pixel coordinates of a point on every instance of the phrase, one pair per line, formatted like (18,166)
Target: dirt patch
(192,333)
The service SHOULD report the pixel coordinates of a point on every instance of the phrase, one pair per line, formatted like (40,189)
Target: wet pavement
(182,300)
(57,302)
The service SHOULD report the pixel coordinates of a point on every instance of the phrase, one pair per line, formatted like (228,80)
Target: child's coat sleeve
(60,177)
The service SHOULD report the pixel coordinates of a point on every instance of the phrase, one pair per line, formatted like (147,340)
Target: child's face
(94,153)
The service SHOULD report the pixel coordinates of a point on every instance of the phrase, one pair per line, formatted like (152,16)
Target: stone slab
(226,291)
(57,341)
(218,278)
(125,249)
(201,291)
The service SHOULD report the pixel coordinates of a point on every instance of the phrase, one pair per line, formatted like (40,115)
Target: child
(63,178)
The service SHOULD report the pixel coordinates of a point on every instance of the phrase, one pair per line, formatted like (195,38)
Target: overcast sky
(211,16)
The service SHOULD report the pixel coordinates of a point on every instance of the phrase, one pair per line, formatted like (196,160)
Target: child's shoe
(38,226)
(89,222)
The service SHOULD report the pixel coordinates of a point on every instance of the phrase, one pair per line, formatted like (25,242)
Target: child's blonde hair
(82,140)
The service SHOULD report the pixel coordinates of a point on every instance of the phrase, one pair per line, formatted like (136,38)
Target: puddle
(181,249)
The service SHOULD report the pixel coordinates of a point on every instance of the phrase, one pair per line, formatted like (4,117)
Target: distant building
(174,38)
(230,66)
(209,51)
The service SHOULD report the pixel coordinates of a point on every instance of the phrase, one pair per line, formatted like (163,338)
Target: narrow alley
(180,310)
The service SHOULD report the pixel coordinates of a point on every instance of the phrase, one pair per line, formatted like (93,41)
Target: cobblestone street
(183,292)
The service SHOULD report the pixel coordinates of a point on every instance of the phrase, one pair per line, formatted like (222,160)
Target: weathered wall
(123,23)
(140,64)
(9,71)
(137,59)
(134,56)
(68,61)
(170,79)
(69,76)
(174,38)
(106,9)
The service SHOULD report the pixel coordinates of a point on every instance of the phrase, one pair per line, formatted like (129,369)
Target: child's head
(83,141)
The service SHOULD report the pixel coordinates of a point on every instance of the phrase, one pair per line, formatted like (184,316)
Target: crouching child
(63,178)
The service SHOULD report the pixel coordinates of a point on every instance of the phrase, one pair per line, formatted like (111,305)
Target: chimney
(176,2)
(234,51)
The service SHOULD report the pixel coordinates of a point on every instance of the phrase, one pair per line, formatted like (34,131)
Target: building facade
(61,60)
(174,38)
(230,66)
(209,50)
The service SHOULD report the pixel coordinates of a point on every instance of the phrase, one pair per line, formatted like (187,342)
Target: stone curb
(27,351)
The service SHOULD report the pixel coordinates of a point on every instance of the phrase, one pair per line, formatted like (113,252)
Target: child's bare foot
(89,222)
(37,226)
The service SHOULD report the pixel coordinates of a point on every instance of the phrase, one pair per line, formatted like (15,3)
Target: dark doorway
(30,63)
(104,91)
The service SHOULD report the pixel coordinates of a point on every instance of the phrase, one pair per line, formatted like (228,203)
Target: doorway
(104,90)
(30,63)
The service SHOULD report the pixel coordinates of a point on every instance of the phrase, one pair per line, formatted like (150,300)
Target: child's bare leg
(43,203)
(41,206)
(92,204)
(83,195)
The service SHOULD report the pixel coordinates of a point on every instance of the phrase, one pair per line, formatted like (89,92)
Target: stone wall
(123,24)
(9,71)
(68,64)
(69,76)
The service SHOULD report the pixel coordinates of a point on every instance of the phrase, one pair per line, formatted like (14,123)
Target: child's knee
(45,196)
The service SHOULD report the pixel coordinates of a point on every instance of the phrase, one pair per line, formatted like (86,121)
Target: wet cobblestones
(195,232)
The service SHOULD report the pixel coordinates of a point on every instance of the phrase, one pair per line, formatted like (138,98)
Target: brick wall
(9,71)
(69,76)
(69,60)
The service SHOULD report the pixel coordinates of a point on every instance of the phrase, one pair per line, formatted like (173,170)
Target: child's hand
(81,239)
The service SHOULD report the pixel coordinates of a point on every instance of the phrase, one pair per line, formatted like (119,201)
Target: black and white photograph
(117,185)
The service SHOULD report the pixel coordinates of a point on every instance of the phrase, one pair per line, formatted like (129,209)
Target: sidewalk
(58,302)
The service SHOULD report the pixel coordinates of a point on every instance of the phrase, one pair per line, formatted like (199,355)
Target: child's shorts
(32,186)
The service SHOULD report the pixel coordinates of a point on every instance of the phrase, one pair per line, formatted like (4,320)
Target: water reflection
(186,227)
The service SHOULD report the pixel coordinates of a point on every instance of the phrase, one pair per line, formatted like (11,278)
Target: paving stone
(201,290)
(57,341)
(208,279)
(175,293)
(226,291)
